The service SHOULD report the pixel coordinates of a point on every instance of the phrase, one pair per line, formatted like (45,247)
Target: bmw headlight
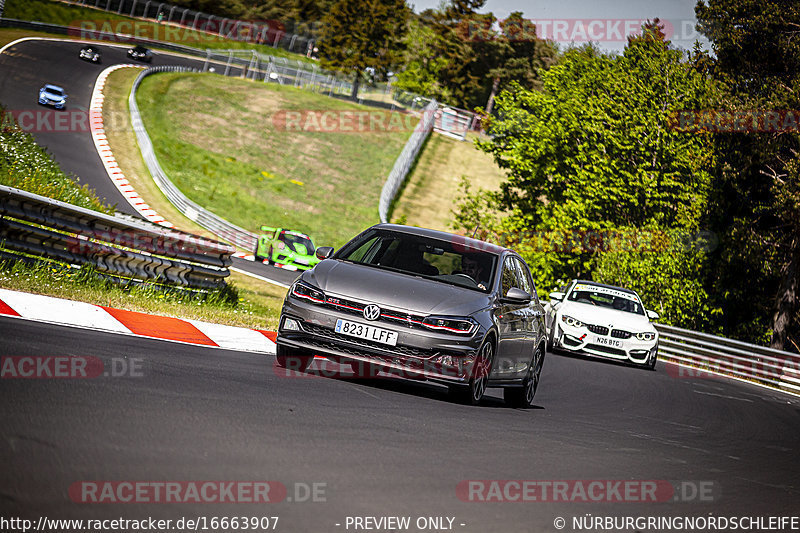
(459,325)
(573,322)
(308,292)
(646,336)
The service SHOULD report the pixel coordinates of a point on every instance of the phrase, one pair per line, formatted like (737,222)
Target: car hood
(52,96)
(602,316)
(394,290)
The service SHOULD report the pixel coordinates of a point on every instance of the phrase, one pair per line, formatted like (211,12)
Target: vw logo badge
(372,312)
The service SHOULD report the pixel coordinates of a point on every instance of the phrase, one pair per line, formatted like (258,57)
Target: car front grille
(599,330)
(338,338)
(606,349)
(387,315)
(621,334)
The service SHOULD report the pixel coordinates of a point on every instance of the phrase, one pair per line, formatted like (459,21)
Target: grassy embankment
(222,141)
(63,14)
(432,190)
(25,165)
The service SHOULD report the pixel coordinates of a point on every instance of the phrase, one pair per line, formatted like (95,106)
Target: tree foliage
(596,175)
(363,34)
(469,59)
(755,207)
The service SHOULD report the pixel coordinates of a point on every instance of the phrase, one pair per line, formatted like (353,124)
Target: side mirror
(652,315)
(557,296)
(517,296)
(324,252)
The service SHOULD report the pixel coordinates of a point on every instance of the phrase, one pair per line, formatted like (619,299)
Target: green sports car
(286,249)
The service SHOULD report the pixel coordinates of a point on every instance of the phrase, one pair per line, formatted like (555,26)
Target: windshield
(305,244)
(434,259)
(606,297)
(54,91)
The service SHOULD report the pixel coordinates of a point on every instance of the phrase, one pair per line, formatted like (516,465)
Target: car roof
(467,242)
(51,86)
(590,282)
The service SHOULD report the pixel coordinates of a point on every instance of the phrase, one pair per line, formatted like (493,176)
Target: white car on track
(604,321)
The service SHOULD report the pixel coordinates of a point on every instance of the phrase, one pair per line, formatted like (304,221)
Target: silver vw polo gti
(424,304)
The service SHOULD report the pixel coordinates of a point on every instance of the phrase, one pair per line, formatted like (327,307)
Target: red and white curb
(104,150)
(108,319)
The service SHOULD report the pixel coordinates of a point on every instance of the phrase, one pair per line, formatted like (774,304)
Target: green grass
(432,189)
(26,165)
(64,14)
(245,303)
(216,138)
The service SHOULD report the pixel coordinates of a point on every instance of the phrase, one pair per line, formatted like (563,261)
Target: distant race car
(90,53)
(603,321)
(53,95)
(140,53)
(285,248)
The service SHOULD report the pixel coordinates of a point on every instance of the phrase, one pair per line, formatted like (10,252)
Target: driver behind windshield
(472,268)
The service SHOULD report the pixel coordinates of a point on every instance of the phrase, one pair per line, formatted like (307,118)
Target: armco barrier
(706,353)
(407,157)
(119,245)
(217,225)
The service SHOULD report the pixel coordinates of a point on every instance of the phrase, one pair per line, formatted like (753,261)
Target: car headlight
(308,292)
(646,336)
(574,322)
(458,325)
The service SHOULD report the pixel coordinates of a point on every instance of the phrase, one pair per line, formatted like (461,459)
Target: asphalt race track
(378,448)
(381,447)
(28,65)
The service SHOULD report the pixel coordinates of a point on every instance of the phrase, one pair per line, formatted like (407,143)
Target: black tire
(522,397)
(472,393)
(269,257)
(651,363)
(255,254)
(290,359)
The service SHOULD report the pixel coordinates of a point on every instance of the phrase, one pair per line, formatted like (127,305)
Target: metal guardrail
(718,355)
(120,246)
(407,157)
(193,211)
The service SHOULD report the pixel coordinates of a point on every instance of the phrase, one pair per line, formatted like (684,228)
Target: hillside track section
(27,65)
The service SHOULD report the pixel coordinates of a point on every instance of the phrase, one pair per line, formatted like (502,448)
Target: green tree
(363,34)
(755,207)
(469,59)
(592,156)
(422,64)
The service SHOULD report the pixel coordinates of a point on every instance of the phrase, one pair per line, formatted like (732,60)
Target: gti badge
(372,312)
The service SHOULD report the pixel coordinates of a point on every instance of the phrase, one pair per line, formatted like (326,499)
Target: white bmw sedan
(603,321)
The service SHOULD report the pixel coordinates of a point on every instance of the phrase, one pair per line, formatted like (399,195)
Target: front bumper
(58,104)
(445,358)
(301,263)
(580,340)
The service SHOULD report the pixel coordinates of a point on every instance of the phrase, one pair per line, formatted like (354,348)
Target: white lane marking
(235,338)
(723,396)
(262,278)
(58,311)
